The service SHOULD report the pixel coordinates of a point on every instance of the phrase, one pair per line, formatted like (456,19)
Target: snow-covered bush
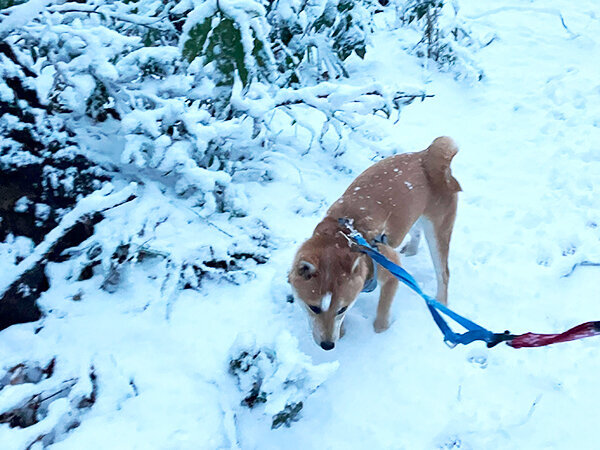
(42,169)
(312,39)
(443,35)
(276,379)
(196,91)
(40,403)
(287,42)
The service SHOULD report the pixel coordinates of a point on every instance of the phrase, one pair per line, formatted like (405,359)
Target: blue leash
(474,332)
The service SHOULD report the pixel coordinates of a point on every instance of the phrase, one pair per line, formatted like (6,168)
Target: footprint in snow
(478,357)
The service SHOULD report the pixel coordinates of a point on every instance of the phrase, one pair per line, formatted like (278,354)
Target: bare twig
(551,11)
(90,9)
(208,222)
(581,264)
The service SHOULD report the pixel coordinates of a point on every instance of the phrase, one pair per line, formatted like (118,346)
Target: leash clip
(354,247)
(349,225)
(500,337)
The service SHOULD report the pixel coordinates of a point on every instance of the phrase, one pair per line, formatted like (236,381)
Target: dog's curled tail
(436,161)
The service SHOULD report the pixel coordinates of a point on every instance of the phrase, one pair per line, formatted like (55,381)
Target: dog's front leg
(389,285)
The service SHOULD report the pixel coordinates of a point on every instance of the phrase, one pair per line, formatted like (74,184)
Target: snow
(529,167)
(6,95)
(103,198)
(42,211)
(22,205)
(20,15)
(12,250)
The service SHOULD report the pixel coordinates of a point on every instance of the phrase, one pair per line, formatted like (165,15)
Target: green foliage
(259,54)
(350,33)
(225,49)
(327,19)
(441,43)
(97,105)
(194,46)
(152,38)
(299,48)
(221,46)
(420,8)
(288,415)
(246,363)
(341,29)
(153,68)
(8,3)
(426,13)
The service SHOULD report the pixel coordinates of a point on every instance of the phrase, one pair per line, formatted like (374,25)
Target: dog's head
(327,277)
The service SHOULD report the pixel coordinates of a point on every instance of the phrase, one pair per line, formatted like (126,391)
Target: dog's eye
(342,310)
(315,309)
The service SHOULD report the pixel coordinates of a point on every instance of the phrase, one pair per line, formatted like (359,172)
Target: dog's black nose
(326,345)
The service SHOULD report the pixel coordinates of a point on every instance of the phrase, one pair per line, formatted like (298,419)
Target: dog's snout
(327,345)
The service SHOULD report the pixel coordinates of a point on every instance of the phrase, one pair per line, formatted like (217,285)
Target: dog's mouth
(326,341)
(321,339)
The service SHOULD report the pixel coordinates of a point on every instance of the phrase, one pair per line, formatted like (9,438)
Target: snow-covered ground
(529,166)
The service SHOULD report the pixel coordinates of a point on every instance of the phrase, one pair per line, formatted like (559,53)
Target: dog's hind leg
(412,247)
(438,230)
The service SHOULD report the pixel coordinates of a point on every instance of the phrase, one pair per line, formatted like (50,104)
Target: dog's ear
(306,270)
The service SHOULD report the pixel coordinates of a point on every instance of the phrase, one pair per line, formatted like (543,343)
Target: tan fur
(387,198)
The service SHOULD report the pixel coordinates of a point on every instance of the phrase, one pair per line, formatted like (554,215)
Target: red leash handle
(584,330)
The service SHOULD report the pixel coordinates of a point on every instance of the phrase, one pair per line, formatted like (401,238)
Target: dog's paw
(409,250)
(381,325)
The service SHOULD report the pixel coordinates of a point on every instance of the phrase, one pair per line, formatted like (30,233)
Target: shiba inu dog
(402,193)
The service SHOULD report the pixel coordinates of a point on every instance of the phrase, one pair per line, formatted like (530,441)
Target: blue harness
(474,332)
